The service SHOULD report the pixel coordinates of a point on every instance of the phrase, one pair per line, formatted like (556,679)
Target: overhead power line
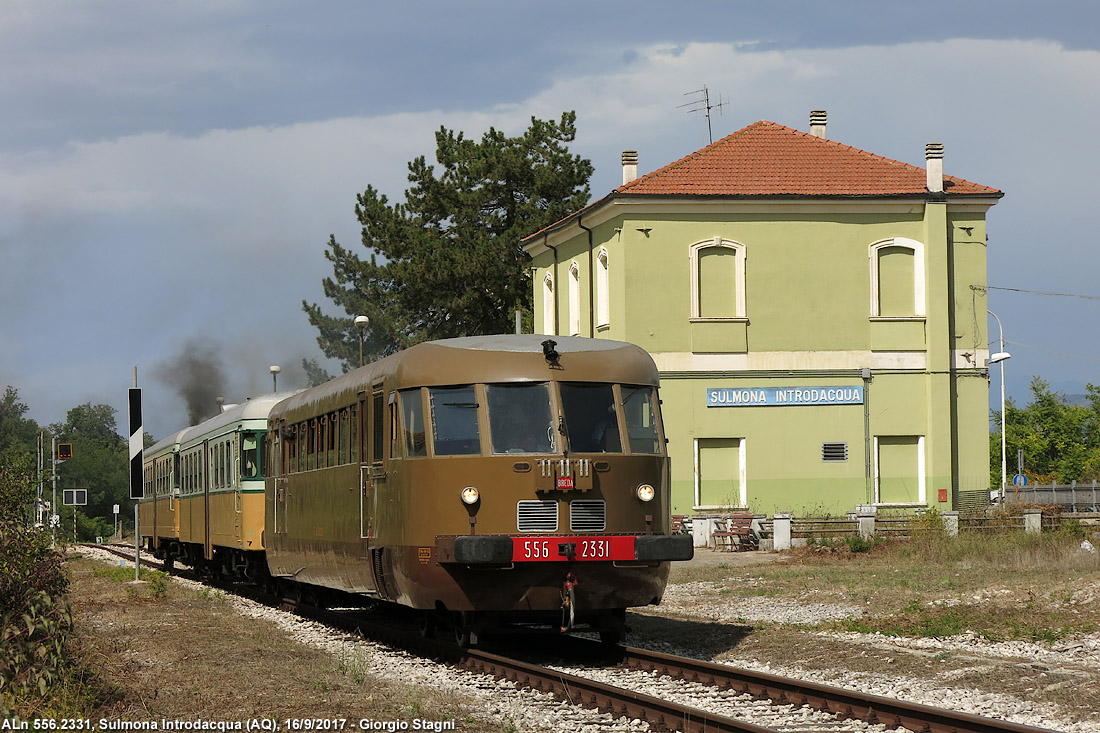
(1037,292)
(1055,353)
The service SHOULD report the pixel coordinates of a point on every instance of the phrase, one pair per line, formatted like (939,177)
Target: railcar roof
(256,408)
(172,440)
(494,358)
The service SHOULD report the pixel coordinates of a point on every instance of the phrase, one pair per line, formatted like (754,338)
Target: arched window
(548,305)
(603,302)
(897,278)
(717,280)
(574,299)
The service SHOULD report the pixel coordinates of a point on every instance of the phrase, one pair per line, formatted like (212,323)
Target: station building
(817,314)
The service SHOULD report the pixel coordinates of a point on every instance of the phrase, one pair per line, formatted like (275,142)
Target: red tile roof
(766,159)
(769,160)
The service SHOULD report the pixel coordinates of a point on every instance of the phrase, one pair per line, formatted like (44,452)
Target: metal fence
(1076,497)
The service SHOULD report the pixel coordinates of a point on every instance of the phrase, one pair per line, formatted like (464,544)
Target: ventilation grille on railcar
(587,515)
(537,516)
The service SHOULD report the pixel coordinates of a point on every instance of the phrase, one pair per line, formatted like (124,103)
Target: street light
(361,323)
(999,358)
(274,369)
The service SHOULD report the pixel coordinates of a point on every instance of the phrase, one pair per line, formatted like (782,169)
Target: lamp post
(999,358)
(361,323)
(274,369)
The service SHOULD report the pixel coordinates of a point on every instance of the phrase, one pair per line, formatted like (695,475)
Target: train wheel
(611,636)
(464,633)
(426,625)
(613,626)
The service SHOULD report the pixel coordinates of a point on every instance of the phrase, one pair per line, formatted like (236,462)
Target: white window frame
(548,305)
(742,474)
(922,472)
(574,299)
(738,275)
(919,308)
(603,293)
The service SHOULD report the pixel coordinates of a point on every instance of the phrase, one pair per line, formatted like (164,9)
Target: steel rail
(620,702)
(660,714)
(874,709)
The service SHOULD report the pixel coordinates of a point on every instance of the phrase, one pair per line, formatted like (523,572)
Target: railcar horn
(550,353)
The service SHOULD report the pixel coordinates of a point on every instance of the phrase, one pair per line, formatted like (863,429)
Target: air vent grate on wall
(834,452)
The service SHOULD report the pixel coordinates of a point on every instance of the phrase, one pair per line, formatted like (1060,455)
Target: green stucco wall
(807,322)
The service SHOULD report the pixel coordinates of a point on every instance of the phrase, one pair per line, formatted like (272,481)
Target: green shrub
(35,620)
(1074,528)
(859,543)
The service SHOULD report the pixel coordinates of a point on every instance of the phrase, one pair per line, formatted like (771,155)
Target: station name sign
(783,396)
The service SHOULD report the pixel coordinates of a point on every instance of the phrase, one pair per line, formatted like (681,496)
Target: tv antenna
(704,105)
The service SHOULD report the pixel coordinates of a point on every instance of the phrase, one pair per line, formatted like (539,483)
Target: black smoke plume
(196,375)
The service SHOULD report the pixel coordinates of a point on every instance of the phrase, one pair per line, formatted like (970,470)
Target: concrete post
(865,519)
(781,530)
(950,523)
(1033,521)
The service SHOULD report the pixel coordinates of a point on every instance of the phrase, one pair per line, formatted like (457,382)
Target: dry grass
(188,655)
(1042,589)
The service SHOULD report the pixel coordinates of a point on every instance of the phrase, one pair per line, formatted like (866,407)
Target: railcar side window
(311,445)
(590,420)
(520,419)
(250,456)
(342,458)
(377,425)
(412,412)
(641,420)
(330,440)
(353,433)
(454,421)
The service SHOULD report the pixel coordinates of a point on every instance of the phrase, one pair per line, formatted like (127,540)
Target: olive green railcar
(494,479)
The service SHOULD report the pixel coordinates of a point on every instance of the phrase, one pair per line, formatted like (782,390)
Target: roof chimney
(817,122)
(630,166)
(933,157)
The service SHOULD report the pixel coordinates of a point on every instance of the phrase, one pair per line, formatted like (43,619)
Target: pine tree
(446,262)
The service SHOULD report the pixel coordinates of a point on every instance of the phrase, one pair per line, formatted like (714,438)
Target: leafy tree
(315,373)
(100,461)
(1060,440)
(18,435)
(446,261)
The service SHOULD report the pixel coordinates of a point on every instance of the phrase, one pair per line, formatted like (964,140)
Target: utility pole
(38,502)
(55,518)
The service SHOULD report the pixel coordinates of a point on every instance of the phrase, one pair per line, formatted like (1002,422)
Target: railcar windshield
(520,419)
(641,419)
(454,421)
(591,423)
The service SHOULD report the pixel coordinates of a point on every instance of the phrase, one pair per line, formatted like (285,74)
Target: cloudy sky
(170,171)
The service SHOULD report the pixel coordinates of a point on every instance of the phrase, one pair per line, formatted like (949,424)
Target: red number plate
(557,549)
(565,483)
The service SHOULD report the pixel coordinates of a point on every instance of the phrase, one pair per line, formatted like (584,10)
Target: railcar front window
(520,419)
(641,420)
(454,421)
(412,409)
(590,420)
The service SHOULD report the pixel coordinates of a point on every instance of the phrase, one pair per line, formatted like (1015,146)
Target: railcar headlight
(470,495)
(646,492)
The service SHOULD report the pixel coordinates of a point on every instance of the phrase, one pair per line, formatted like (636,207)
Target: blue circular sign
(1019,480)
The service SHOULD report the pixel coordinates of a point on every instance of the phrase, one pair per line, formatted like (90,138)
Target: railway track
(626,670)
